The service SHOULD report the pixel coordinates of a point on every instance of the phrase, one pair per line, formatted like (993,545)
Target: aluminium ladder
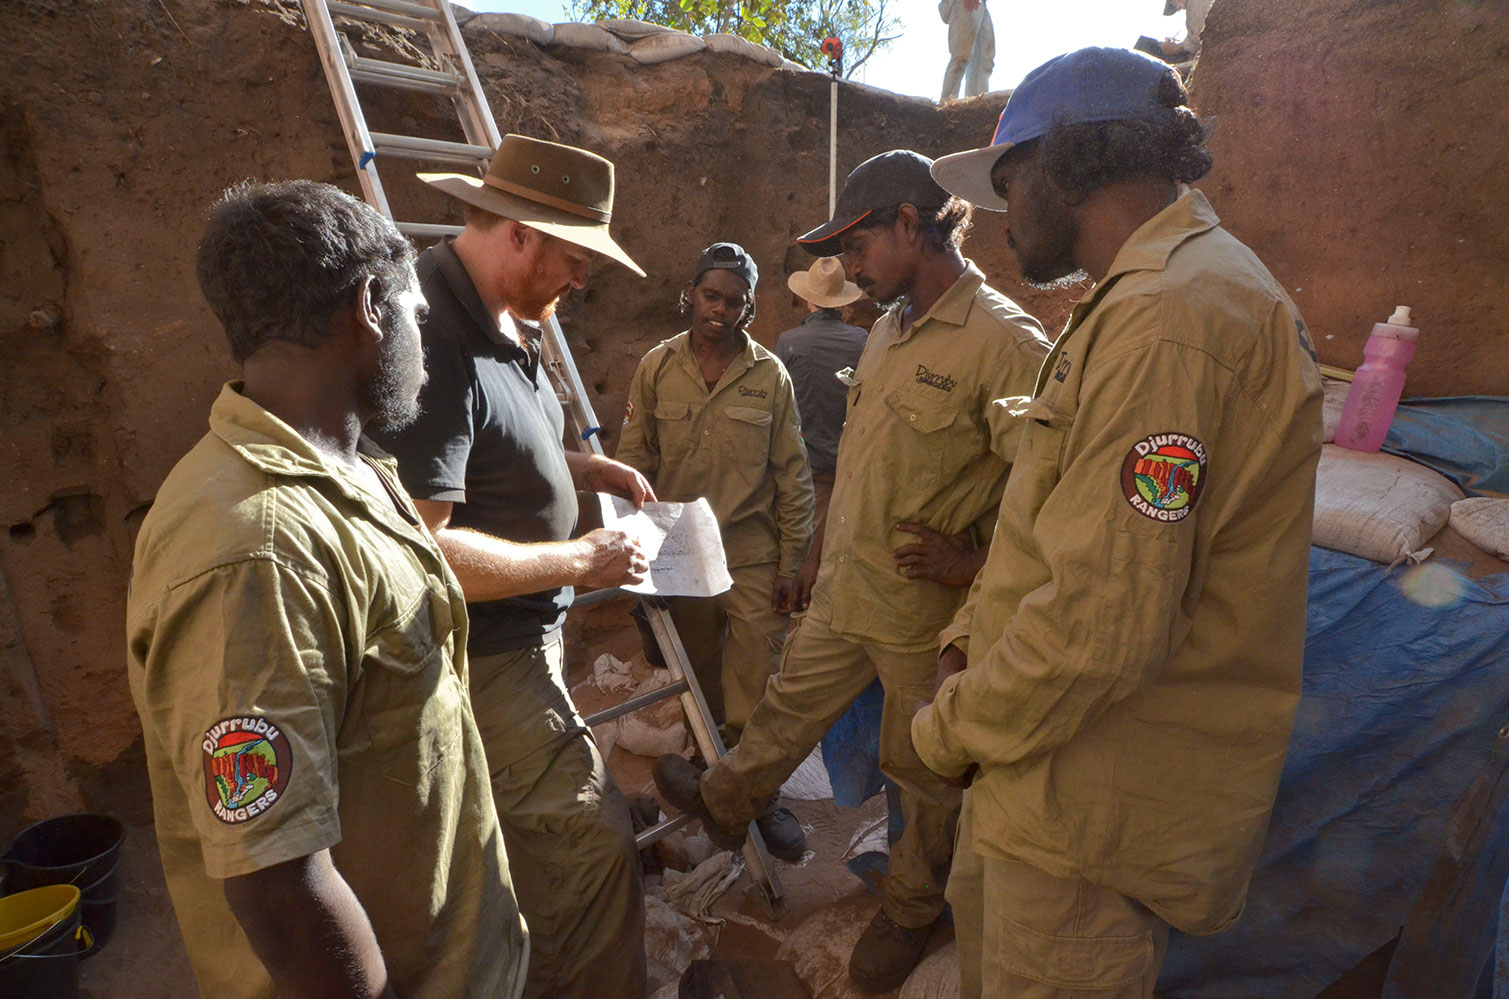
(457,79)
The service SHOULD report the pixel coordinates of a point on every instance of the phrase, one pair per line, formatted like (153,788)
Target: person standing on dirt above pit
(923,454)
(296,643)
(971,48)
(486,465)
(711,413)
(1118,687)
(813,354)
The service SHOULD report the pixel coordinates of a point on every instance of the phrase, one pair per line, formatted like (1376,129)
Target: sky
(1028,33)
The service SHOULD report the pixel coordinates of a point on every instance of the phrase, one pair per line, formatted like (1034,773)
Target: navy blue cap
(1090,85)
(730,257)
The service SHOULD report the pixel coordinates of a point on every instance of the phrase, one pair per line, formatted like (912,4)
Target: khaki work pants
(821,675)
(733,641)
(1024,934)
(566,827)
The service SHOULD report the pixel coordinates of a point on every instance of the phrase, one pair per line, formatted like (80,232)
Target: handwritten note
(682,542)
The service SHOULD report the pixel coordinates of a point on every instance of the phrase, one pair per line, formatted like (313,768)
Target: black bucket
(81,850)
(47,967)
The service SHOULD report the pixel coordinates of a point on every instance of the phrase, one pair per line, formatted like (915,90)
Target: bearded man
(488,472)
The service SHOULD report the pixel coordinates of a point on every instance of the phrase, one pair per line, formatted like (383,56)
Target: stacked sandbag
(1484,521)
(1379,506)
(1330,410)
(588,36)
(734,45)
(631,30)
(542,33)
(936,977)
(664,46)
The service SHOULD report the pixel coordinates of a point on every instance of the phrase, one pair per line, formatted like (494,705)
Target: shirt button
(843,558)
(707,433)
(913,417)
(843,520)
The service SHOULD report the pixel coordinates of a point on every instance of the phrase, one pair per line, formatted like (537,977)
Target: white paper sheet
(682,542)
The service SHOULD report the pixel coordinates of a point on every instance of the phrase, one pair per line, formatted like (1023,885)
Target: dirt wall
(1356,151)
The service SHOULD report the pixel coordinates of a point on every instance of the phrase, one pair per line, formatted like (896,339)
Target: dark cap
(728,257)
(899,177)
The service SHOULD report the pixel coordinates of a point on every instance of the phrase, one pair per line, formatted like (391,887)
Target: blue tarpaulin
(1406,684)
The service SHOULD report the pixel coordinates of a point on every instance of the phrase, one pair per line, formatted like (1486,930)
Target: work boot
(782,834)
(680,782)
(886,954)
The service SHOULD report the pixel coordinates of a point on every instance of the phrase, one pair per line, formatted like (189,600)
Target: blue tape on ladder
(590,431)
(368,155)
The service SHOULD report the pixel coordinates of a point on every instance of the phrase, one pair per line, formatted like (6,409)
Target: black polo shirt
(489,440)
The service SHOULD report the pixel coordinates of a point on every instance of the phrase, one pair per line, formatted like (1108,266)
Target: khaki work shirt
(1134,640)
(297,654)
(739,444)
(922,444)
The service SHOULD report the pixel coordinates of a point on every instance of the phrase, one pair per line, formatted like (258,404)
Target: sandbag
(1330,408)
(1378,506)
(653,731)
(540,32)
(734,45)
(665,46)
(819,949)
(588,36)
(1484,521)
(629,29)
(936,977)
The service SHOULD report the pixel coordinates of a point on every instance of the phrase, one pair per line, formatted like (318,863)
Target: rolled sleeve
(244,687)
(1113,609)
(638,445)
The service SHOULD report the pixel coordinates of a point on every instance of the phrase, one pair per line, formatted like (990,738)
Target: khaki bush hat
(823,284)
(560,190)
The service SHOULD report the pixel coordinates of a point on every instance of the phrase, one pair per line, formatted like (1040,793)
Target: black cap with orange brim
(899,177)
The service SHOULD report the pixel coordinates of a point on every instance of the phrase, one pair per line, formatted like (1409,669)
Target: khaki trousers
(1024,934)
(733,641)
(566,828)
(821,675)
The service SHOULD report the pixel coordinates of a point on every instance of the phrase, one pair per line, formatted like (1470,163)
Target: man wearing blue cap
(712,414)
(921,465)
(1121,685)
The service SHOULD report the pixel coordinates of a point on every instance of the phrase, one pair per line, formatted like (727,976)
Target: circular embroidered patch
(247,763)
(1163,476)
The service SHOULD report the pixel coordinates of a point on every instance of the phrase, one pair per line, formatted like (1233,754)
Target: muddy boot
(679,781)
(782,834)
(886,954)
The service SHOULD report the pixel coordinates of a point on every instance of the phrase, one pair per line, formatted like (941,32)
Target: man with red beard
(488,473)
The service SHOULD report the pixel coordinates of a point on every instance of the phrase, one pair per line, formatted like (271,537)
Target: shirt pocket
(939,440)
(746,436)
(413,704)
(673,427)
(1040,449)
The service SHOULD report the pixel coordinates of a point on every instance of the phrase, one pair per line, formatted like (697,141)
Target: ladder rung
(414,147)
(635,703)
(598,596)
(351,10)
(428,229)
(396,74)
(656,833)
(404,7)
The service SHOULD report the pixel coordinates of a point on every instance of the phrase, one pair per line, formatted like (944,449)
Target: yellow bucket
(27,915)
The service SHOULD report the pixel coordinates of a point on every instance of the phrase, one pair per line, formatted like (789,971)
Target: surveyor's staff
(834,50)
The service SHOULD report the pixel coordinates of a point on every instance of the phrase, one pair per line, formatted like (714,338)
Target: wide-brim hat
(823,284)
(1089,85)
(560,190)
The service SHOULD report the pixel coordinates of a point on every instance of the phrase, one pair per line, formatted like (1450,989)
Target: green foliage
(795,28)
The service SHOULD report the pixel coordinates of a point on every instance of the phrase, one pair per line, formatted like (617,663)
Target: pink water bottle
(1375,391)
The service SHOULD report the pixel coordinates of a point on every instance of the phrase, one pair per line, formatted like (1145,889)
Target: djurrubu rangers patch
(629,413)
(247,763)
(1163,476)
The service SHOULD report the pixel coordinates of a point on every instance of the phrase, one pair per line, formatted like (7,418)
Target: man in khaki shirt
(297,645)
(712,414)
(921,465)
(1122,682)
